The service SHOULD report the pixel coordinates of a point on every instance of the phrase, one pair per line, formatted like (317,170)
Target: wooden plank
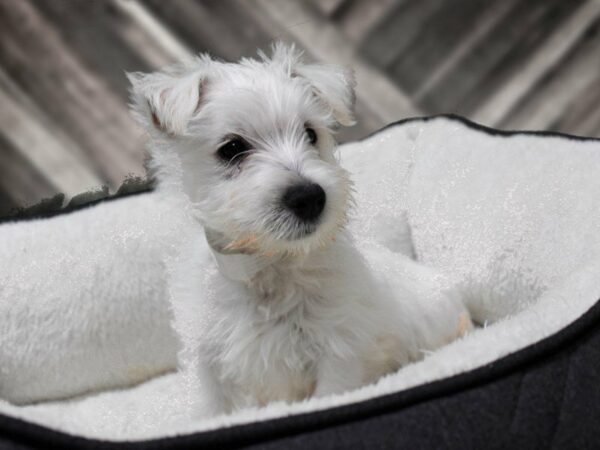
(35,142)
(492,16)
(93,31)
(560,100)
(383,100)
(249,34)
(583,115)
(147,32)
(591,128)
(328,7)
(7,206)
(41,63)
(359,17)
(438,36)
(497,107)
(21,185)
(482,69)
(397,31)
(229,39)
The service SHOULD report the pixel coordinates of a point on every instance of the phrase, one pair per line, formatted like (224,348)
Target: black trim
(38,436)
(34,212)
(479,127)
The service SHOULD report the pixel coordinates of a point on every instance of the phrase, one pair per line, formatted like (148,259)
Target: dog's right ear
(166,101)
(331,84)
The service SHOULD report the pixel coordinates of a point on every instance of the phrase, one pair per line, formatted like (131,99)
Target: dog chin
(302,233)
(307,239)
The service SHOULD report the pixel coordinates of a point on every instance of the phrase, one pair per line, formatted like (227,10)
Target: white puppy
(297,311)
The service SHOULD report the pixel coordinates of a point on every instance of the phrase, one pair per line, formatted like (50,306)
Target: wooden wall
(66,135)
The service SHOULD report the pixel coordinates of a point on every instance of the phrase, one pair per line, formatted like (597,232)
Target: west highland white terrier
(298,312)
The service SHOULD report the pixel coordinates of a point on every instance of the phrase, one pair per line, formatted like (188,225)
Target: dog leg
(212,399)
(337,375)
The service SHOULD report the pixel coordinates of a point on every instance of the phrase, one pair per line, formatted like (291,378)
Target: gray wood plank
(328,7)
(384,101)
(438,36)
(359,17)
(397,31)
(42,64)
(92,30)
(543,60)
(486,24)
(38,144)
(565,95)
(583,115)
(525,34)
(149,36)
(228,39)
(249,34)
(7,206)
(21,185)
(455,91)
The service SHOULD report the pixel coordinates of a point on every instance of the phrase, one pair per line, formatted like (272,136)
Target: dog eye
(312,136)
(232,149)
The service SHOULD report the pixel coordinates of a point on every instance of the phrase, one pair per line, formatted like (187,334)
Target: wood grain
(65,128)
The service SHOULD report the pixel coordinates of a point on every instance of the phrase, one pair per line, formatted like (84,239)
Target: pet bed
(87,356)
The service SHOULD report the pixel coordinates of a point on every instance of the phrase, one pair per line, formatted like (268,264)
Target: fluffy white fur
(314,319)
(548,279)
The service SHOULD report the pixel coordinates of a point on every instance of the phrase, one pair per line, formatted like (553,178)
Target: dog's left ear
(166,101)
(334,85)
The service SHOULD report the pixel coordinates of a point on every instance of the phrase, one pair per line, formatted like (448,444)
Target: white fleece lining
(513,220)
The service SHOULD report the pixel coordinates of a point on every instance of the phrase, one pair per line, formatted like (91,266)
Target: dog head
(255,145)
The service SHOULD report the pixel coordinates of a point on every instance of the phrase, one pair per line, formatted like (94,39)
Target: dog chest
(264,362)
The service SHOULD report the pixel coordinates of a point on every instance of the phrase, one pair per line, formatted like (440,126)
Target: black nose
(305,200)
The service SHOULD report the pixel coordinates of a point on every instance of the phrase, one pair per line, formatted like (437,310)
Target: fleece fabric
(510,217)
(82,299)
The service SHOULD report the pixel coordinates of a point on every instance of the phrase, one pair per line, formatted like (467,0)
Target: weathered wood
(203,31)
(559,100)
(328,7)
(249,34)
(7,206)
(358,17)
(439,35)
(92,31)
(73,96)
(384,101)
(35,140)
(497,107)
(513,63)
(492,60)
(21,185)
(149,36)
(460,87)
(486,23)
(583,115)
(396,31)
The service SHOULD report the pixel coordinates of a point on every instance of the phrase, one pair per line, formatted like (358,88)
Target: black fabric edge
(479,127)
(31,213)
(40,436)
